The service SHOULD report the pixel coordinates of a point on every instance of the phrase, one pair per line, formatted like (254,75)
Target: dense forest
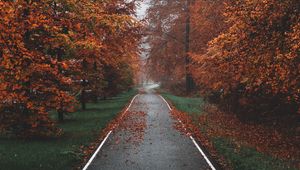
(240,54)
(55,54)
(222,75)
(243,59)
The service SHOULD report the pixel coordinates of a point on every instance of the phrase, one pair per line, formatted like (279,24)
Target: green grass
(244,158)
(188,105)
(81,128)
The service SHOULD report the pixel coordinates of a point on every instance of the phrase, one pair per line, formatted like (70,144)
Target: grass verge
(80,129)
(238,156)
(246,158)
(193,106)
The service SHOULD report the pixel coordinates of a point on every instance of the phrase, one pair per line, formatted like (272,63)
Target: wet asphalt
(161,147)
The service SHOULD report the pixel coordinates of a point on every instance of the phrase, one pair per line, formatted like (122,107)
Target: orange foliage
(31,80)
(167,36)
(258,56)
(47,46)
(166,41)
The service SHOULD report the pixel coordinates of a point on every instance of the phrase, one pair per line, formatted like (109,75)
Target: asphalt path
(154,144)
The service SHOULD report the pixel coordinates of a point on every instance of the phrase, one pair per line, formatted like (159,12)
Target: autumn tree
(47,47)
(110,40)
(31,82)
(257,58)
(168,33)
(166,41)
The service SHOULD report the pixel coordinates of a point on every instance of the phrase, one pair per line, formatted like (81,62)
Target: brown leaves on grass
(266,139)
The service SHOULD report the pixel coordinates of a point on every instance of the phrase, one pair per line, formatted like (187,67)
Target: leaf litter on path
(131,122)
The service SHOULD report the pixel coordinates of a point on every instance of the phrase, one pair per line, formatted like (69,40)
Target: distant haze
(142,8)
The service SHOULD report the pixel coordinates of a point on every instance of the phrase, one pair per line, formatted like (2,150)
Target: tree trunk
(60,116)
(189,80)
(59,59)
(84,65)
(83,104)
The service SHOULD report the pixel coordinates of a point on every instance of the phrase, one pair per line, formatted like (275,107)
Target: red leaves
(274,140)
(42,47)
(31,75)
(167,55)
(253,57)
(132,122)
(135,123)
